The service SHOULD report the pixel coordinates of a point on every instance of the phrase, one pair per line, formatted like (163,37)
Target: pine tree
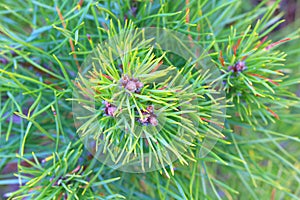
(95,105)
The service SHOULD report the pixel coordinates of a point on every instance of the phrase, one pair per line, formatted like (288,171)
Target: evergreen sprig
(139,110)
(62,175)
(252,76)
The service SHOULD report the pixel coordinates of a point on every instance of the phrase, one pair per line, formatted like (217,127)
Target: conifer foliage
(90,108)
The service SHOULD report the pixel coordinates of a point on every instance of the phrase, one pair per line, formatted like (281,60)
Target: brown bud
(139,84)
(150,109)
(153,121)
(111,111)
(131,86)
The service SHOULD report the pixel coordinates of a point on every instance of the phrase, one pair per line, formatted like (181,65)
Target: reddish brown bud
(153,121)
(131,86)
